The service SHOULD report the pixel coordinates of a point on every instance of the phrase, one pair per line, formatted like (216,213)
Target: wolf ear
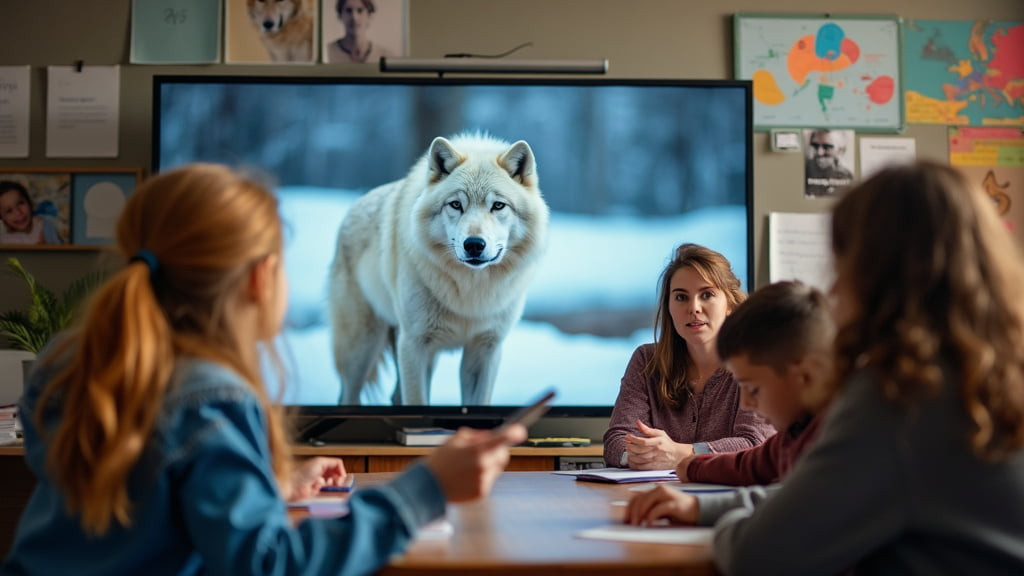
(443,158)
(519,163)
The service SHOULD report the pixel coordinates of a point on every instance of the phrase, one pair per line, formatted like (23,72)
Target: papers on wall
(685,535)
(82,107)
(175,31)
(877,153)
(14,111)
(799,249)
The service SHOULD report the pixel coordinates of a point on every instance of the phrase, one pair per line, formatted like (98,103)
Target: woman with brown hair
(676,399)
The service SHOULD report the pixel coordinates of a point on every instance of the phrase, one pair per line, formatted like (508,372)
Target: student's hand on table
(654,450)
(467,465)
(683,465)
(663,502)
(309,476)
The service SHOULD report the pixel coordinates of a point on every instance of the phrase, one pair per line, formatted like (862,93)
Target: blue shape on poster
(830,37)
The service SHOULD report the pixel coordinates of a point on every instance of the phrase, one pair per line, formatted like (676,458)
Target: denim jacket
(204,498)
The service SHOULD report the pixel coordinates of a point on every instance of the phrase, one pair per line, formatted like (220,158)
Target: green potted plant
(47,313)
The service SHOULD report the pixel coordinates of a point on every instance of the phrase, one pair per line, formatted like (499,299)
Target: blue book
(429,436)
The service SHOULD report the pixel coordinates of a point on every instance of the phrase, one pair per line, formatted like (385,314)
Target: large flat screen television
(629,169)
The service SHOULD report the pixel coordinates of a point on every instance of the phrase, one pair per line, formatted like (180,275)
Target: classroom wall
(640,39)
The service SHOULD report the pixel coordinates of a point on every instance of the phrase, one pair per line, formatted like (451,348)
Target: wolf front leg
(479,369)
(415,359)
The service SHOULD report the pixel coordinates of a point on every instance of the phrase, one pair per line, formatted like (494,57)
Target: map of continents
(821,72)
(964,73)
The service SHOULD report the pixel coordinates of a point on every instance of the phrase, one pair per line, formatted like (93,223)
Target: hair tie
(149,258)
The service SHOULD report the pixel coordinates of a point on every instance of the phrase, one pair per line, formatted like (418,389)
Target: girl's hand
(309,476)
(467,465)
(663,502)
(682,466)
(655,450)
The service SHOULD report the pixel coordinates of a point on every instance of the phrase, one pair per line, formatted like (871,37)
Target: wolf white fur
(438,260)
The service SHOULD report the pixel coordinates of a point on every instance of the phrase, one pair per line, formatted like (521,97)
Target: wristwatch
(624,459)
(702,448)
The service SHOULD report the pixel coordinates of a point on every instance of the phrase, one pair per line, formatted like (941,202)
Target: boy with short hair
(778,345)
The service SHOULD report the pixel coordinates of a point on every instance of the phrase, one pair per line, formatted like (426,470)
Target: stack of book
(8,424)
(423,436)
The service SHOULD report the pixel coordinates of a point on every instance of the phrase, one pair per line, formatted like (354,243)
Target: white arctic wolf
(440,259)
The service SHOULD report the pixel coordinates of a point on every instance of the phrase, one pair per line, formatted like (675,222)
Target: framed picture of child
(54,208)
(35,209)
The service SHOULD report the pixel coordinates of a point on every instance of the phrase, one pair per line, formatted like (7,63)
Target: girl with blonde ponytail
(149,427)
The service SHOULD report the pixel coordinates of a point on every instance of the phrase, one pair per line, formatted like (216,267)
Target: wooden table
(528,526)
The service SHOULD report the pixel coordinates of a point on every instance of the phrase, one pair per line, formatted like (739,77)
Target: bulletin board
(822,71)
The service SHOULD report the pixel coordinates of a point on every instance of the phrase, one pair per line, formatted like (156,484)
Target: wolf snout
(474,246)
(269,25)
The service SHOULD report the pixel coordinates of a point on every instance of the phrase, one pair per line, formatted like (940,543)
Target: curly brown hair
(934,279)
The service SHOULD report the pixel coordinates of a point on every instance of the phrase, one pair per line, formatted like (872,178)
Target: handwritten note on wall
(799,249)
(175,31)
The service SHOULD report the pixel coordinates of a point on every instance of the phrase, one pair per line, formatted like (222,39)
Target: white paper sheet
(82,109)
(15,87)
(691,487)
(686,535)
(799,249)
(877,153)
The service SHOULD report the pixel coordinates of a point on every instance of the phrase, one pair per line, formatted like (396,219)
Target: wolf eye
(456,205)
(498,206)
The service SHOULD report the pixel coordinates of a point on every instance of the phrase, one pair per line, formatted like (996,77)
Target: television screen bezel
(455,412)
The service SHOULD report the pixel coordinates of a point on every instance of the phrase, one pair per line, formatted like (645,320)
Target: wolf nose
(474,246)
(268,24)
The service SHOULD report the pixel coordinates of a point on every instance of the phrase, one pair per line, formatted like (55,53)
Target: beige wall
(640,38)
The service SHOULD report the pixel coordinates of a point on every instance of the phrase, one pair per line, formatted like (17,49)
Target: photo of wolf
(439,260)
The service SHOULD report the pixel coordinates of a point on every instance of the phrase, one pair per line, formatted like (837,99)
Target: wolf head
(482,201)
(270,16)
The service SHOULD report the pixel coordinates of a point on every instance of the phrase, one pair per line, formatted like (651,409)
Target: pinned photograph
(278,32)
(34,209)
(829,162)
(362,31)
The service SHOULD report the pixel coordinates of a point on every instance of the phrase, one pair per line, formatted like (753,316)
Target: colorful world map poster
(817,71)
(992,158)
(964,73)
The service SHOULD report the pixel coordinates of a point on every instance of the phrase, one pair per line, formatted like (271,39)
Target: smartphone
(347,486)
(528,414)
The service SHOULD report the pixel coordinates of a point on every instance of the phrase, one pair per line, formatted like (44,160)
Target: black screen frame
(451,412)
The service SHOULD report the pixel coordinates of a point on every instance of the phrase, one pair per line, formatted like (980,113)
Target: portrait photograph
(829,160)
(280,32)
(362,31)
(35,209)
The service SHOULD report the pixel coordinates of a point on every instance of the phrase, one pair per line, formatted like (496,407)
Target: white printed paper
(799,249)
(690,535)
(877,153)
(15,86)
(82,108)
